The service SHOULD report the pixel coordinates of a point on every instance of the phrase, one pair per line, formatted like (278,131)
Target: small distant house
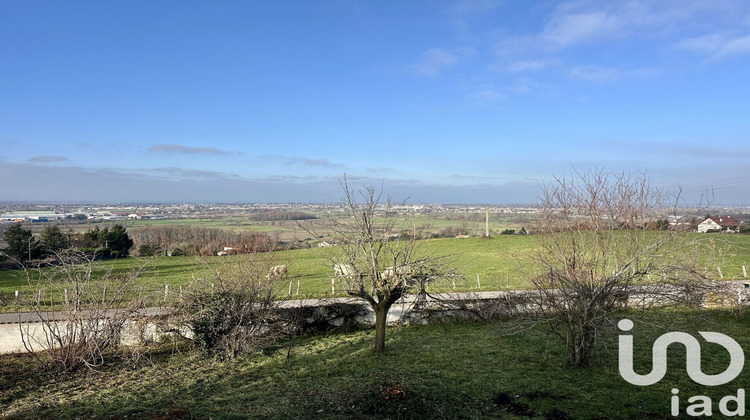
(718,224)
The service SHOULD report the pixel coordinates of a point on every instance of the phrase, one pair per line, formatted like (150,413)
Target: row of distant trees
(179,240)
(23,245)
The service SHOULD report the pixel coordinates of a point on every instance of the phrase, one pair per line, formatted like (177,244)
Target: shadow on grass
(436,371)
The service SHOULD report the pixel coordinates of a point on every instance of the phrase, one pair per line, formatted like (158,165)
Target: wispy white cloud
(462,13)
(488,95)
(600,74)
(48,159)
(569,25)
(577,23)
(596,74)
(704,44)
(529,65)
(565,29)
(735,46)
(434,61)
(380,170)
(181,149)
(295,160)
(314,162)
(719,151)
(716,45)
(479,177)
(191,173)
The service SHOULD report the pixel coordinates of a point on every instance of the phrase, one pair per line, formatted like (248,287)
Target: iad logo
(702,406)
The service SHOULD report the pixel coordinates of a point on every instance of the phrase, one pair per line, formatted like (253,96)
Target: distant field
(235,223)
(290,230)
(499,263)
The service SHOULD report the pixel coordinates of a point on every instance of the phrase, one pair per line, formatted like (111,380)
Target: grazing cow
(277,271)
(344,270)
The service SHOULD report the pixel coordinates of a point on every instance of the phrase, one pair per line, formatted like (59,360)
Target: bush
(94,309)
(236,310)
(148,250)
(178,252)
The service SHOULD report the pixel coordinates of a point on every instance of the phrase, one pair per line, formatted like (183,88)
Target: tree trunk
(580,344)
(381,314)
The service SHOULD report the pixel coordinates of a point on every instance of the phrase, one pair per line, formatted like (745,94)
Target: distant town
(36,213)
(109,212)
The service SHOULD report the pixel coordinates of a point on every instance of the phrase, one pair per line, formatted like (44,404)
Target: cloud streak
(190,173)
(434,61)
(566,29)
(74,184)
(48,159)
(716,46)
(288,160)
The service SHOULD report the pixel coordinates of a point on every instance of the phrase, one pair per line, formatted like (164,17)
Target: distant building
(32,216)
(718,224)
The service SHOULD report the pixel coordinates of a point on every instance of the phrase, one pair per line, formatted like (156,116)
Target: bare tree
(372,264)
(596,252)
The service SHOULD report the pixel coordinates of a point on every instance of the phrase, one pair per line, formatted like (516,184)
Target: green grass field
(499,262)
(440,371)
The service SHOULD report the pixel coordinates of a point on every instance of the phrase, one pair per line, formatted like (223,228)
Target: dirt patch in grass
(515,404)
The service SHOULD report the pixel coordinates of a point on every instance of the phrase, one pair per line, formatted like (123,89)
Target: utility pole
(487,222)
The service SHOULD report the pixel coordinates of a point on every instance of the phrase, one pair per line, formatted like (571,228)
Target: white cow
(344,270)
(401,271)
(277,271)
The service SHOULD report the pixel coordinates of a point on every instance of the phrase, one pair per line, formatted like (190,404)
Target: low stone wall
(312,315)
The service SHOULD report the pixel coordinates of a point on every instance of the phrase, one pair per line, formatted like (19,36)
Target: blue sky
(444,101)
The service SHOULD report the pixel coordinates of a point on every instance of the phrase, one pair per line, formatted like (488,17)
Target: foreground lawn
(437,371)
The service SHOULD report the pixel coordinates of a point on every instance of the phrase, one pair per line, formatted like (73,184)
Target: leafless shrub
(235,308)
(80,313)
(597,255)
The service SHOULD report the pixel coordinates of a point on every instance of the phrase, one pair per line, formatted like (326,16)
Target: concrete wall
(318,315)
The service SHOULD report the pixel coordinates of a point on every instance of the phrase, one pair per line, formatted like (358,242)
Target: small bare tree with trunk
(598,253)
(372,265)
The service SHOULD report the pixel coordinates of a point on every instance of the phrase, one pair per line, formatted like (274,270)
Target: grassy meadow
(501,262)
(441,371)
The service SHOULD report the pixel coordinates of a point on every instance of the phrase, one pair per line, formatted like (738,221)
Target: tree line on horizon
(22,245)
